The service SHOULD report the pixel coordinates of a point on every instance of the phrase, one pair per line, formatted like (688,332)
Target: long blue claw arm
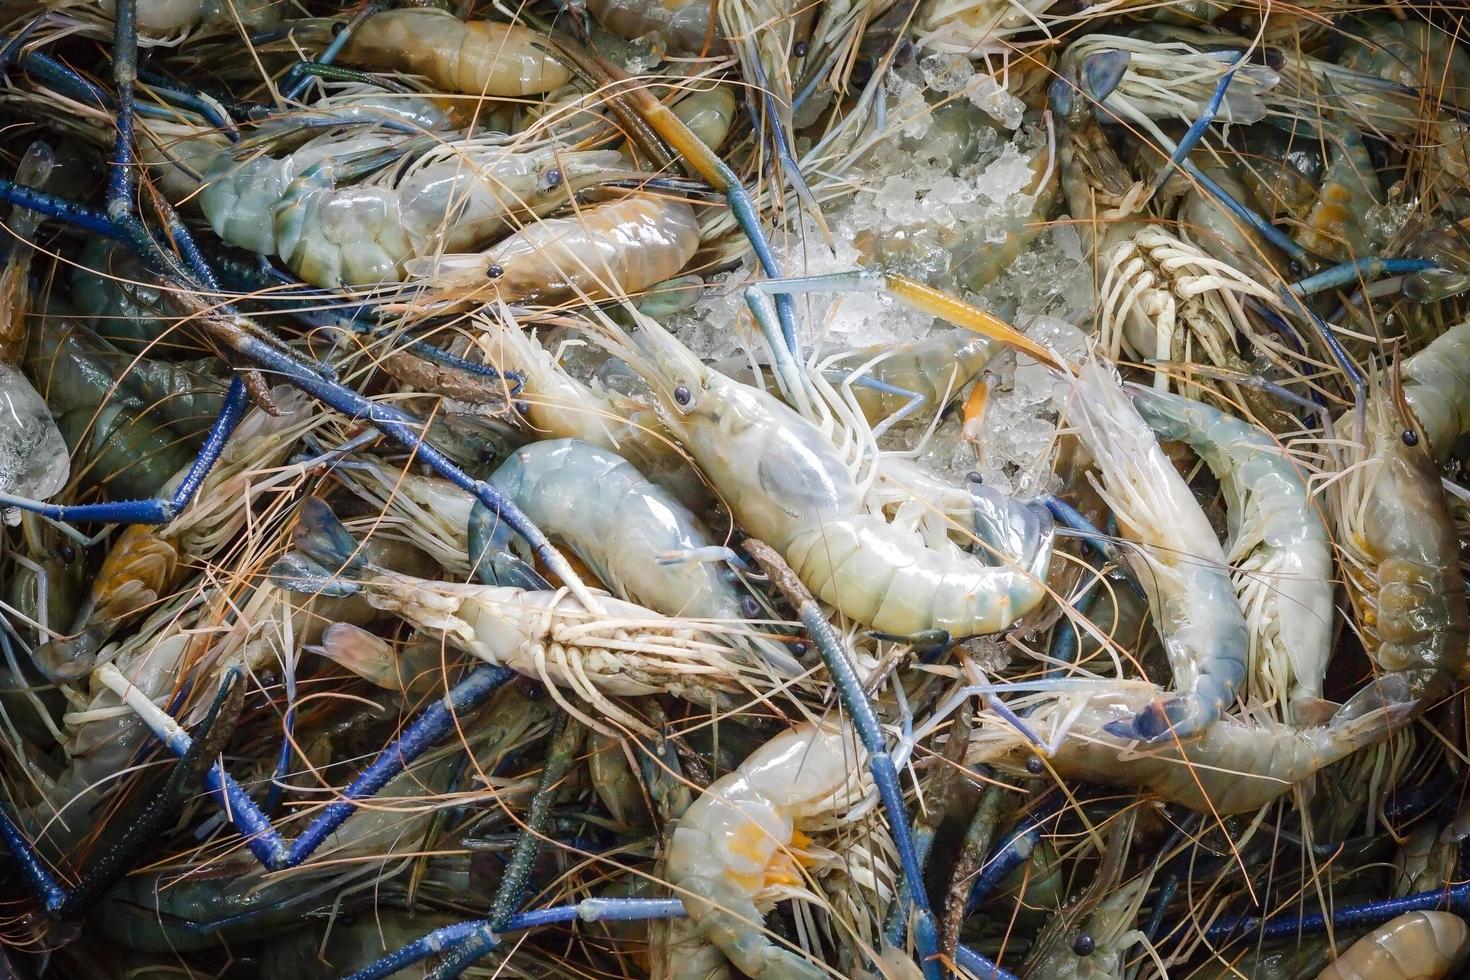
(157,510)
(880,763)
(1014,851)
(1349,273)
(264,841)
(587,910)
(1197,130)
(1453,899)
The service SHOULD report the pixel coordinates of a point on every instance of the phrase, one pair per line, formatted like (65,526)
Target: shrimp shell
(1414,946)
(603,252)
(477,57)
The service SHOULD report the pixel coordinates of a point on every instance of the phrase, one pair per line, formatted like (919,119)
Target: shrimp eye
(67,553)
(495,271)
(682,396)
(552,178)
(1083,944)
(1034,766)
(1410,437)
(799,49)
(799,648)
(749,608)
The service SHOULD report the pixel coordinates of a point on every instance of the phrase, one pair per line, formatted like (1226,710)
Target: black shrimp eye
(799,49)
(553,178)
(1410,437)
(682,396)
(67,553)
(799,648)
(495,272)
(749,608)
(1034,766)
(1083,944)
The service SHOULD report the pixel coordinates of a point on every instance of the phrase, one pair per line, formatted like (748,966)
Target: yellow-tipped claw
(962,314)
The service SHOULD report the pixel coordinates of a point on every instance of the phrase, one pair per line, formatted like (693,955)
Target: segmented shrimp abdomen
(886,578)
(353,236)
(1414,946)
(478,57)
(684,25)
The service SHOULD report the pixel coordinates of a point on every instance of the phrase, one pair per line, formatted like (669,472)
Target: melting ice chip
(33,456)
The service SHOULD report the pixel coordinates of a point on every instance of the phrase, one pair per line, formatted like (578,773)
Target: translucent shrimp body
(477,57)
(1235,766)
(735,841)
(611,250)
(1278,547)
(1179,562)
(1414,946)
(1401,555)
(559,406)
(787,484)
(1437,388)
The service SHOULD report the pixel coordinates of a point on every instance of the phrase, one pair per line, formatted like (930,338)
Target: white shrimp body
(1279,550)
(169,17)
(788,485)
(602,252)
(1413,946)
(1437,388)
(1179,562)
(361,235)
(736,840)
(477,57)
(1235,766)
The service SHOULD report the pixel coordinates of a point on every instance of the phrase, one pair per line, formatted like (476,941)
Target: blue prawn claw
(1163,720)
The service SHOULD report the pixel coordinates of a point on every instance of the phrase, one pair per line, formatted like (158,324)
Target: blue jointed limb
(296,81)
(1358,270)
(155,511)
(1012,852)
(566,737)
(264,841)
(981,967)
(587,910)
(865,723)
(1454,899)
(1196,131)
(160,812)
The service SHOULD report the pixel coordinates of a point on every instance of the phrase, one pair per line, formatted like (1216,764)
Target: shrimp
(627,650)
(619,523)
(607,251)
(1414,946)
(1235,766)
(741,837)
(787,484)
(1178,561)
(1400,554)
(1337,227)
(686,26)
(1278,545)
(477,57)
(1097,950)
(458,195)
(1437,389)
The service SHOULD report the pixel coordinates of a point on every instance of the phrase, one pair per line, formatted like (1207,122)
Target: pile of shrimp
(708,620)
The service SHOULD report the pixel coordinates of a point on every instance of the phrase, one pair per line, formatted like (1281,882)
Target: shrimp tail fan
(326,559)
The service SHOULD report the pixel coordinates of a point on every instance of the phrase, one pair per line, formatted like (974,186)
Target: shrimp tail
(326,559)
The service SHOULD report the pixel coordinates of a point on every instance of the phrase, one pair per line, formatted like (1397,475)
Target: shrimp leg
(865,721)
(265,842)
(160,812)
(1456,899)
